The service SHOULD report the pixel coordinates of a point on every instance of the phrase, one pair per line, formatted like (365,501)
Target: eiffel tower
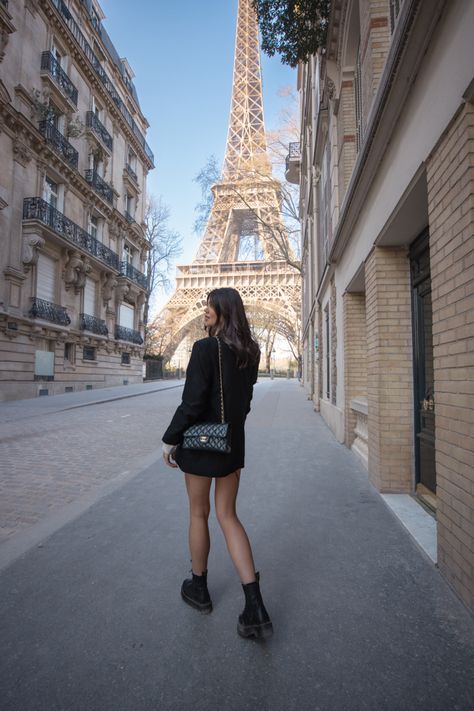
(245,240)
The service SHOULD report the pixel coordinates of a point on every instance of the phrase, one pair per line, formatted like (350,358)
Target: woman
(224,318)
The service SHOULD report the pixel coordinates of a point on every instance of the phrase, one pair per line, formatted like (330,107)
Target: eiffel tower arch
(245,243)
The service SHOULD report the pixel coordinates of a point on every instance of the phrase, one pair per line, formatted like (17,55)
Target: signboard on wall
(44,363)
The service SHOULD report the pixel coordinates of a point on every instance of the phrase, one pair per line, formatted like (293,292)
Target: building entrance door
(423,379)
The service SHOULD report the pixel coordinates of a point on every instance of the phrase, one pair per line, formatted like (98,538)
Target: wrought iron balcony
(130,272)
(109,87)
(49,312)
(38,209)
(93,324)
(128,334)
(130,219)
(52,66)
(293,161)
(59,143)
(99,129)
(100,186)
(131,172)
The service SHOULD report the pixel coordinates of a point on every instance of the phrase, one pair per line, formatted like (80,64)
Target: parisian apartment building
(385,166)
(73,166)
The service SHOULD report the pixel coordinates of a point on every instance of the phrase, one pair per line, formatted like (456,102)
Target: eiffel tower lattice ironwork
(245,244)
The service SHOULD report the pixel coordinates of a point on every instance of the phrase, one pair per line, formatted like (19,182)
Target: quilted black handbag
(210,436)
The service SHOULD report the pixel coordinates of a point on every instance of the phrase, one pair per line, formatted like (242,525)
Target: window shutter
(46,278)
(89,297)
(127,315)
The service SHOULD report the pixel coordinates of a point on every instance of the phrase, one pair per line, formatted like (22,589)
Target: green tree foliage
(294,29)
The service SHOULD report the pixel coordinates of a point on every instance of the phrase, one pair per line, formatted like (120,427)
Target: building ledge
(418,522)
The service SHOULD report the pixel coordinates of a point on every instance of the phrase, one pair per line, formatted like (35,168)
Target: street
(94,550)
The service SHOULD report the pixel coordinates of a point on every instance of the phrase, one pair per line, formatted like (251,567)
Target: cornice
(415,26)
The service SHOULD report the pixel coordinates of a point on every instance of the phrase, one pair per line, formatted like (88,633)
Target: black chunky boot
(254,620)
(194,591)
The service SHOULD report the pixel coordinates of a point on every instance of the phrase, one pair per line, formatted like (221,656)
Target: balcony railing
(38,209)
(51,65)
(293,159)
(128,334)
(99,129)
(130,272)
(131,172)
(49,312)
(109,87)
(100,186)
(93,324)
(59,143)
(294,150)
(130,219)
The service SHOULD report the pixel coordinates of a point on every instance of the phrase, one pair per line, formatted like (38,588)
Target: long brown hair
(232,325)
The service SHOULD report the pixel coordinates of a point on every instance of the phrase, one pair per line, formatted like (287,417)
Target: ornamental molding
(109,282)
(32,243)
(21,153)
(75,271)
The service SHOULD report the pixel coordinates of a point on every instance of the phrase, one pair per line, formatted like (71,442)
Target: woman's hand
(168,452)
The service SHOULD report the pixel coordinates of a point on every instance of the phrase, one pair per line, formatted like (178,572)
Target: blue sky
(182,56)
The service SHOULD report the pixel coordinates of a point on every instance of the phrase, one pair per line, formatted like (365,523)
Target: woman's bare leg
(238,544)
(198,488)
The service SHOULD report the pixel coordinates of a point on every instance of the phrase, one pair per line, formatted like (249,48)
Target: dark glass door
(423,379)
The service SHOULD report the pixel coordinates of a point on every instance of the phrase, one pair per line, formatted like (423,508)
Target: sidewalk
(32,407)
(92,619)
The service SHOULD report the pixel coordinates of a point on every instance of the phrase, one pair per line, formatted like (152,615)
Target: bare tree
(207,176)
(164,246)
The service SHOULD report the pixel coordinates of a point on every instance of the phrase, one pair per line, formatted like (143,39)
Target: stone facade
(72,199)
(387,145)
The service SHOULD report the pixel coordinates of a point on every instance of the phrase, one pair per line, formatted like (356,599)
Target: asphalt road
(91,615)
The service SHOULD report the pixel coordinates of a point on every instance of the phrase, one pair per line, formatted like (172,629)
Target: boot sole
(205,608)
(263,631)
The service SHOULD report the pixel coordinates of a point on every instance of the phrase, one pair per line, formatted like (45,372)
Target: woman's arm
(195,394)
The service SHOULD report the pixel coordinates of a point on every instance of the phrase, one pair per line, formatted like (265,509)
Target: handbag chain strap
(220,379)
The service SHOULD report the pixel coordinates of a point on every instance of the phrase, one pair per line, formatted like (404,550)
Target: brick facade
(450,173)
(390,371)
(333,342)
(346,136)
(355,358)
(374,45)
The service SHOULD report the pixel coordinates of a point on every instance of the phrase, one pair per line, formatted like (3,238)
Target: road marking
(124,415)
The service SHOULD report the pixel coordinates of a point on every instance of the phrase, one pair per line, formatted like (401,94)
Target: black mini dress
(201,403)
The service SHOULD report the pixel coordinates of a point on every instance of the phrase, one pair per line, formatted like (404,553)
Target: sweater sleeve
(253,380)
(195,395)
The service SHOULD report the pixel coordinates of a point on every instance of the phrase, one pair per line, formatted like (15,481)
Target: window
(132,160)
(69,354)
(96,108)
(46,278)
(127,316)
(51,192)
(125,358)
(56,53)
(55,118)
(130,205)
(96,164)
(127,254)
(89,297)
(95,227)
(328,352)
(89,353)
